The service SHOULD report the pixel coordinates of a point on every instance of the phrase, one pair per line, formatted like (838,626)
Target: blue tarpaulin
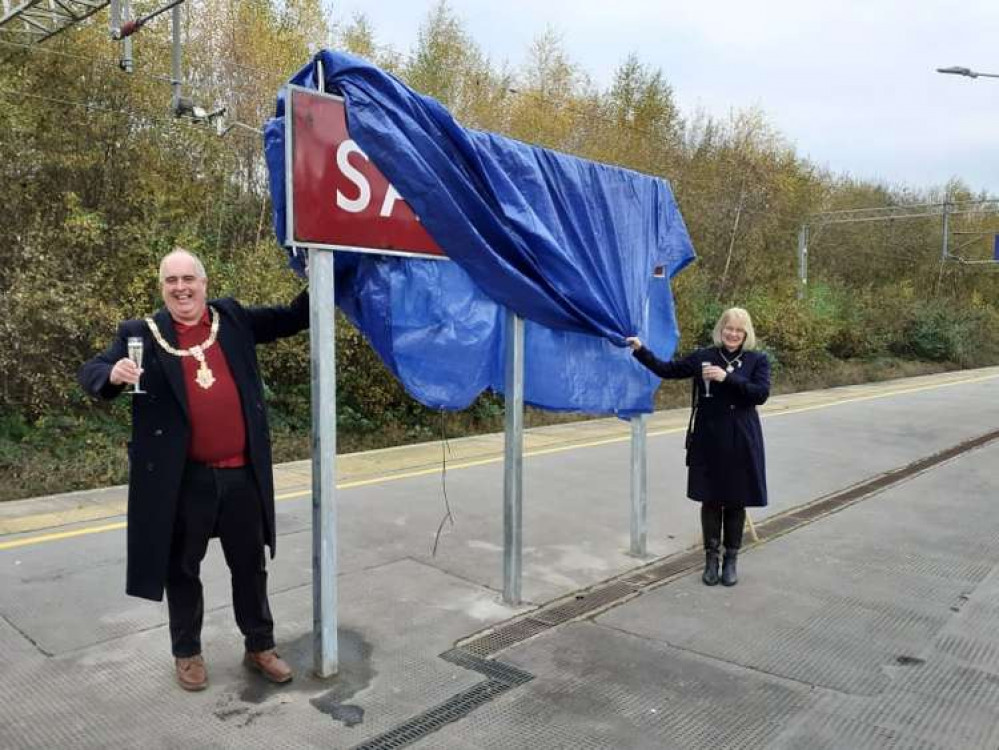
(566,243)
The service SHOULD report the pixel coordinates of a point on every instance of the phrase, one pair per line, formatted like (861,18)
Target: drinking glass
(135,354)
(707,383)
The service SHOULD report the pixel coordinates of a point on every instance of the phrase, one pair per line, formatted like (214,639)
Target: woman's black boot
(710,576)
(729,575)
(711,532)
(733,524)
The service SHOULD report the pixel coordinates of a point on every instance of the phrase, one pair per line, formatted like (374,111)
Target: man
(199,458)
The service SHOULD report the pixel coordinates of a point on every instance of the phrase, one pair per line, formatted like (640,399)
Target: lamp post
(957,70)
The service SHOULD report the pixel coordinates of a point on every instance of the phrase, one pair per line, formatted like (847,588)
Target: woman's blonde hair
(739,317)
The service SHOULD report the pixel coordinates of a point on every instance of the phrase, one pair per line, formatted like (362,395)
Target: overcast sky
(851,84)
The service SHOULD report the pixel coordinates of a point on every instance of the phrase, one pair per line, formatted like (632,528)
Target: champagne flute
(135,354)
(707,383)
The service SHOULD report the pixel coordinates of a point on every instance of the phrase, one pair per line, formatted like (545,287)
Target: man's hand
(125,372)
(634,342)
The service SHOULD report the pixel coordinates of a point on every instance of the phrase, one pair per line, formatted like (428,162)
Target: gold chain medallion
(204,377)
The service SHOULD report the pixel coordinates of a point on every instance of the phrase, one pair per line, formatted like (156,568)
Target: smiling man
(199,458)
(185,286)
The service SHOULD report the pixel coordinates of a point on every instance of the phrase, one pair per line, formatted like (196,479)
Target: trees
(99,180)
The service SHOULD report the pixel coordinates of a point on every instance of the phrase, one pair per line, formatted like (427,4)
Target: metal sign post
(322,350)
(513,460)
(639,486)
(322,334)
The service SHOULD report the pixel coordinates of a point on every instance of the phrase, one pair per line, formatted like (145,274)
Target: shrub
(938,332)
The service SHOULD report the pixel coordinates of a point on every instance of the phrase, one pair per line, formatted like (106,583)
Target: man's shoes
(191,672)
(269,664)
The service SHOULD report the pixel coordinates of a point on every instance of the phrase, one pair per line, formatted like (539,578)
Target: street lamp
(957,70)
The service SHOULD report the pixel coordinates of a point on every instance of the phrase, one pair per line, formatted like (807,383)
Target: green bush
(790,330)
(932,334)
(939,332)
(840,325)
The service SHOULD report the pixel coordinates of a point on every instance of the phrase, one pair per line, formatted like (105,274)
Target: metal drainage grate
(501,677)
(494,670)
(777,526)
(421,725)
(548,617)
(504,637)
(582,604)
(663,571)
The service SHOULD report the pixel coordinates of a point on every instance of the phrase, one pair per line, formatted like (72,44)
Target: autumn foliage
(99,180)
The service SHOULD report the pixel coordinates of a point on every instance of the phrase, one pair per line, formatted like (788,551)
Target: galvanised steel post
(945,248)
(175,58)
(324,539)
(120,14)
(802,261)
(639,485)
(513,460)
(322,334)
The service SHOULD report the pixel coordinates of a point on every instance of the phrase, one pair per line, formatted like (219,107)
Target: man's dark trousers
(224,503)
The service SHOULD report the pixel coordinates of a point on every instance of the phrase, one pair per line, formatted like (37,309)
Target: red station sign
(338,199)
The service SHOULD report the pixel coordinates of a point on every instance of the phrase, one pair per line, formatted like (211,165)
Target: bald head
(184,286)
(199,268)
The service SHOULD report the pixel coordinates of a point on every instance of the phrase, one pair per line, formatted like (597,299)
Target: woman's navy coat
(725,456)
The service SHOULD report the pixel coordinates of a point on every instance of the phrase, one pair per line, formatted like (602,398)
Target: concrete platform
(873,626)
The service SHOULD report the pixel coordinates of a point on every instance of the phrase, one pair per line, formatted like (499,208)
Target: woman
(726,471)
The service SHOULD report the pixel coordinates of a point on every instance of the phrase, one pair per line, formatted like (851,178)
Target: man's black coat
(161,430)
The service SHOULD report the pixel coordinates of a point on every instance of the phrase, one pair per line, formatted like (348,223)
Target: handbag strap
(693,406)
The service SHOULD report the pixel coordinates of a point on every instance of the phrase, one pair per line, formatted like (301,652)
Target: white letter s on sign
(358,204)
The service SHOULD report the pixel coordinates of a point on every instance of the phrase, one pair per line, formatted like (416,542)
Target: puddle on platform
(329,696)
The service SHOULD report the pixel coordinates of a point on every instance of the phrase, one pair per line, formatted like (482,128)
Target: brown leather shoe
(191,673)
(269,664)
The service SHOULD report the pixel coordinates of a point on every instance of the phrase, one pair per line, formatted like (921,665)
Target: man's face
(184,292)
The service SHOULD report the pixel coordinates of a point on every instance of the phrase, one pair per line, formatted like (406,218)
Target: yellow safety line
(895,392)
(25,541)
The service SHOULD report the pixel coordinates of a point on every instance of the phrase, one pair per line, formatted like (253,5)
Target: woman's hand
(634,342)
(713,372)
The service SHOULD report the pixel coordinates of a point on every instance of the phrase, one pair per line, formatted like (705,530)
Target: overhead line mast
(31,22)
(35,21)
